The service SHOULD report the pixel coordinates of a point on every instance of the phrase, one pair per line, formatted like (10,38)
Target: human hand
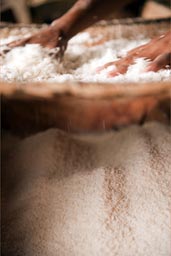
(158,51)
(50,37)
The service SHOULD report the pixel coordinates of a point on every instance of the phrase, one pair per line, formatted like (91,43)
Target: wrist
(60,26)
(75,19)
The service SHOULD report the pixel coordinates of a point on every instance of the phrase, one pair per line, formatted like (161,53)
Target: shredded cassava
(33,63)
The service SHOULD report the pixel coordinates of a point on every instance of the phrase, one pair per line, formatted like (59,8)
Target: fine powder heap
(87,195)
(33,63)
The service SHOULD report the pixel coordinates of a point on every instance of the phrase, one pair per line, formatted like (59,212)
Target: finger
(160,62)
(20,42)
(113,73)
(122,66)
(61,46)
(7,47)
(122,69)
(109,64)
(4,51)
(60,54)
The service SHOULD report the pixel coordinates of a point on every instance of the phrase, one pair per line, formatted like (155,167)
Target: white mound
(33,63)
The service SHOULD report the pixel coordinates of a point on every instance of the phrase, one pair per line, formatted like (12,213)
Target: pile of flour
(32,63)
(96,194)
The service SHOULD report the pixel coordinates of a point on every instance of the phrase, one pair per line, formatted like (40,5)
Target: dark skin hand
(83,14)
(49,37)
(158,51)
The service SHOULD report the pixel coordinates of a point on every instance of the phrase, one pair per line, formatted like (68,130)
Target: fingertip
(160,62)
(152,67)
(113,74)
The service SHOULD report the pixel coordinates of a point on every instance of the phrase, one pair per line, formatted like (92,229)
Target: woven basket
(85,107)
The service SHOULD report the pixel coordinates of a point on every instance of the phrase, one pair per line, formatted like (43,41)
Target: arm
(85,13)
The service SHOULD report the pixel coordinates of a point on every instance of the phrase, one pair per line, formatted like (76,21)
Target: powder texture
(33,63)
(105,195)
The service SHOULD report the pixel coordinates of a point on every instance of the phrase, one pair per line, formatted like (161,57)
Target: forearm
(84,13)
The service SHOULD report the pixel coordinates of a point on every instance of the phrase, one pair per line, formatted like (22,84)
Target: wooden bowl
(86,107)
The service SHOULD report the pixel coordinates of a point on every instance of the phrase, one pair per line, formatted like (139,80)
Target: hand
(49,37)
(158,51)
